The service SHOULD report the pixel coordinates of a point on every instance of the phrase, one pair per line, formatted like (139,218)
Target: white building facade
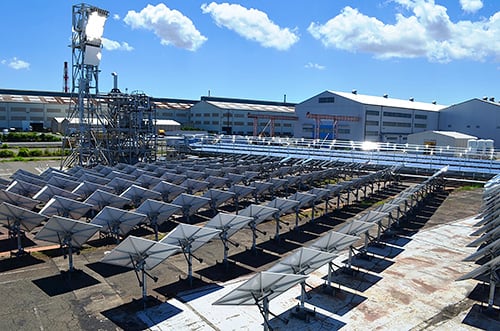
(476,117)
(352,116)
(244,117)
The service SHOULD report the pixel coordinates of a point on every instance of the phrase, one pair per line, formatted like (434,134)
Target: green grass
(470,187)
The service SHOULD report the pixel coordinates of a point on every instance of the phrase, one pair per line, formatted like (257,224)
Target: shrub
(23,152)
(6,153)
(36,152)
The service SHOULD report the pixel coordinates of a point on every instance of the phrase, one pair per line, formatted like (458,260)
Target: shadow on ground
(65,282)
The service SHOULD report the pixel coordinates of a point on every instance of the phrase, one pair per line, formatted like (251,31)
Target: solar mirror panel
(197,175)
(185,235)
(216,182)
(148,181)
(264,285)
(49,191)
(59,229)
(23,188)
(18,200)
(168,191)
(190,203)
(117,222)
(491,250)
(235,178)
(119,184)
(356,228)
(88,177)
(85,189)
(39,181)
(64,183)
(157,212)
(489,267)
(100,199)
(486,238)
(65,207)
(134,250)
(334,242)
(17,217)
(217,197)
(189,238)
(118,174)
(228,223)
(173,178)
(68,233)
(193,185)
(302,262)
(137,194)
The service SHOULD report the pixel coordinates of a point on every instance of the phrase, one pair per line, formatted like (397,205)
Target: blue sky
(443,50)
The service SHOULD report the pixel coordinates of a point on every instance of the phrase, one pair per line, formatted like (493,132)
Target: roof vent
(434,102)
(386,95)
(485,98)
(492,99)
(412,99)
(354,91)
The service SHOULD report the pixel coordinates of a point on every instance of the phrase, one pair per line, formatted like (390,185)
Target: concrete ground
(408,284)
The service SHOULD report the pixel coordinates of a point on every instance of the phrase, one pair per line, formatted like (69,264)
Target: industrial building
(477,117)
(357,117)
(244,117)
(440,138)
(24,110)
(328,115)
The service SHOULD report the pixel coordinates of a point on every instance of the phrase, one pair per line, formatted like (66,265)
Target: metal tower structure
(85,125)
(334,118)
(131,133)
(103,128)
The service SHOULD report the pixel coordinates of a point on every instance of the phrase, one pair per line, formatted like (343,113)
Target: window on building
(372,133)
(420,125)
(375,123)
(420,117)
(344,131)
(372,113)
(197,115)
(215,122)
(326,100)
(239,115)
(394,114)
(206,115)
(239,123)
(397,124)
(206,122)
(215,114)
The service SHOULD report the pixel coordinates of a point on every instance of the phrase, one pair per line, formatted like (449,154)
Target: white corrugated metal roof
(167,122)
(454,134)
(389,102)
(252,107)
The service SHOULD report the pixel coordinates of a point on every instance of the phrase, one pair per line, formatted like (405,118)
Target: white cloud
(251,24)
(171,26)
(116,17)
(311,65)
(16,64)
(112,45)
(428,33)
(471,6)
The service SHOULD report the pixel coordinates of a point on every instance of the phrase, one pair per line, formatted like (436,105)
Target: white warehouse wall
(480,118)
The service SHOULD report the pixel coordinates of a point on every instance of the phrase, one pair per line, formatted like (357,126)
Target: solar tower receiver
(103,128)
(86,146)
